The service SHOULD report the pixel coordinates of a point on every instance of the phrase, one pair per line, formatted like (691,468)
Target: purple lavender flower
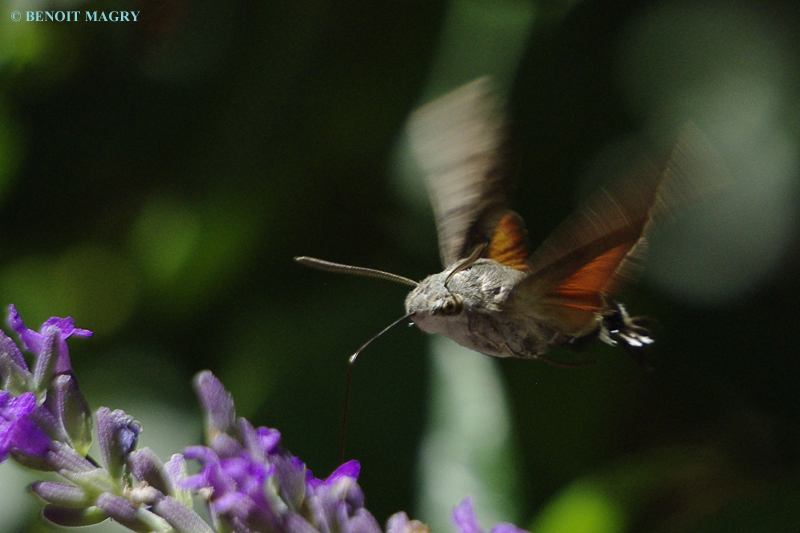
(35,341)
(18,433)
(62,413)
(252,484)
(465,520)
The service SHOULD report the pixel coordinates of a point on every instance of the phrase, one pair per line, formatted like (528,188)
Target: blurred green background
(157,177)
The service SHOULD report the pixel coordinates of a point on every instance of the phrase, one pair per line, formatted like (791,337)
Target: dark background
(157,178)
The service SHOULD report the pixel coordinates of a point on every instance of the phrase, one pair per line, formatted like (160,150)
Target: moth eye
(452,306)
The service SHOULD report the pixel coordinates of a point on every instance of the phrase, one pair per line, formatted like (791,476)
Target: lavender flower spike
(252,484)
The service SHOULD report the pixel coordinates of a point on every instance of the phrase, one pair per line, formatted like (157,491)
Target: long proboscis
(350,364)
(329,266)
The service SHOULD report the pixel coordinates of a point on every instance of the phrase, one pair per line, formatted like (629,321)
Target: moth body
(466,308)
(474,308)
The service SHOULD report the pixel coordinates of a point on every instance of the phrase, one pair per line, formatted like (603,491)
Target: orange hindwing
(509,244)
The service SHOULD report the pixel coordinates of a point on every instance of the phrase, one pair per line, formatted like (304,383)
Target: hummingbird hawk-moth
(495,297)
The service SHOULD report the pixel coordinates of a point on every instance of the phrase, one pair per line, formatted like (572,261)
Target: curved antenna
(329,266)
(465,263)
(350,364)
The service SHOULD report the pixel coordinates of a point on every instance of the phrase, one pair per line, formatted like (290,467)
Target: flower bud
(176,471)
(180,517)
(145,466)
(68,517)
(14,374)
(63,459)
(62,495)
(117,433)
(217,405)
(73,410)
(45,365)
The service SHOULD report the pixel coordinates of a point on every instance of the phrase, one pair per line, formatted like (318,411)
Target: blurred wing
(600,246)
(459,143)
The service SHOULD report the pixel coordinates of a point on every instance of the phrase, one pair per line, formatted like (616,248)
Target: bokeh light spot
(582,508)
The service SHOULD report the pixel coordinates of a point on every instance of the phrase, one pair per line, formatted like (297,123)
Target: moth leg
(631,330)
(620,325)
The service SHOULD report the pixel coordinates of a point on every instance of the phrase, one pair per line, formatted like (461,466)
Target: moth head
(433,297)
(434,307)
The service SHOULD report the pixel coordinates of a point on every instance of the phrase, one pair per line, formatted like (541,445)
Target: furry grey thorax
(485,322)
